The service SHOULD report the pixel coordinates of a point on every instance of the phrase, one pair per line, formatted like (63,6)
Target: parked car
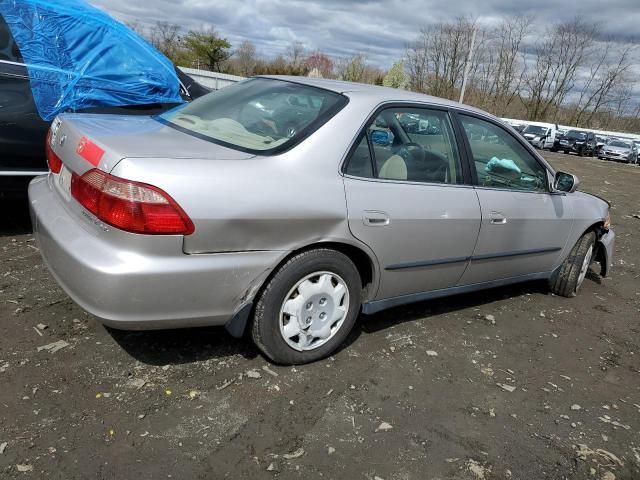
(577,141)
(23,132)
(200,217)
(541,135)
(619,150)
(601,141)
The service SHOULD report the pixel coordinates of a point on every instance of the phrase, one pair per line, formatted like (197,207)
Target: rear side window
(261,115)
(9,50)
(500,159)
(407,144)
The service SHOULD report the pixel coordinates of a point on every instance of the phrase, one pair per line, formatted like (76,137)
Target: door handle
(497,218)
(373,218)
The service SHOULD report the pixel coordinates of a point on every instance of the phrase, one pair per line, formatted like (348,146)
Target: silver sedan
(285,206)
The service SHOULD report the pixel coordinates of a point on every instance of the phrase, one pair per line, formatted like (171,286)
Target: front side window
(500,159)
(260,115)
(407,144)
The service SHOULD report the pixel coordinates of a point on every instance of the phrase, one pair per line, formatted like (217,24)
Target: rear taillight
(53,160)
(132,206)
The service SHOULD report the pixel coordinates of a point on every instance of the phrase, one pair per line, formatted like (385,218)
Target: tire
(580,152)
(566,152)
(269,330)
(567,280)
(554,150)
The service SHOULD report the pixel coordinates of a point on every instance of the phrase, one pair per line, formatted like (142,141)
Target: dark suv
(577,141)
(23,132)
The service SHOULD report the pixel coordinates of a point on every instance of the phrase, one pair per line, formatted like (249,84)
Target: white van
(541,134)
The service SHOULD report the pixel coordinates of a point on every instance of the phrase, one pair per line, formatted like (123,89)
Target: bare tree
(352,69)
(295,54)
(321,62)
(560,53)
(606,76)
(508,72)
(417,63)
(436,60)
(245,58)
(166,37)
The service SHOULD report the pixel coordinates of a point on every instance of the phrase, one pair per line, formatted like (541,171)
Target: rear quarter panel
(281,202)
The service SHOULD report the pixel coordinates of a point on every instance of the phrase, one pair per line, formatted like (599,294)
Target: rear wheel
(569,278)
(308,307)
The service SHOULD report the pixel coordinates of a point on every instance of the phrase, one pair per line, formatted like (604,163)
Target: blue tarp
(79,57)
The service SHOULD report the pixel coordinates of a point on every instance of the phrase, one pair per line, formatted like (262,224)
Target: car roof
(376,94)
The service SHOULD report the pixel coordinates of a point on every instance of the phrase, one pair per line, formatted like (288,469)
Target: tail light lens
(53,160)
(131,206)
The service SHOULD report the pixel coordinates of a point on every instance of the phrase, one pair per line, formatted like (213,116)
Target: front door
(406,199)
(524,226)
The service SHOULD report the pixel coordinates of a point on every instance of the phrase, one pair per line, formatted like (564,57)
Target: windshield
(576,135)
(536,130)
(619,143)
(258,116)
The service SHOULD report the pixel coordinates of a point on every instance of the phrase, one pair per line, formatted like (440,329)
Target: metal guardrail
(213,80)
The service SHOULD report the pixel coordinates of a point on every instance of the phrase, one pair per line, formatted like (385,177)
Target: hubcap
(314,310)
(585,267)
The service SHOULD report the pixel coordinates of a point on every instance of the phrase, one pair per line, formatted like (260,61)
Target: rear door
(524,225)
(407,199)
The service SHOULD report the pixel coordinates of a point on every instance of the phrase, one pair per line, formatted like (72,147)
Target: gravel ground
(508,383)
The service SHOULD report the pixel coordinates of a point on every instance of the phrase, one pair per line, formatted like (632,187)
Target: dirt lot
(550,389)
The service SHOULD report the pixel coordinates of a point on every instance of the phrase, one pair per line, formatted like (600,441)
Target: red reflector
(132,206)
(88,150)
(53,160)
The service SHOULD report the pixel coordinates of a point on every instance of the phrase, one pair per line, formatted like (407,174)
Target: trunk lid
(120,136)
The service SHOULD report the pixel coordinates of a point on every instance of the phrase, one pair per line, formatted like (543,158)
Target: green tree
(207,48)
(396,77)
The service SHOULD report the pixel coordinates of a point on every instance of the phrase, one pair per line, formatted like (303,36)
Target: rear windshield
(260,115)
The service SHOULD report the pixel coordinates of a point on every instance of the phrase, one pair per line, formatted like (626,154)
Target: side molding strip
(446,261)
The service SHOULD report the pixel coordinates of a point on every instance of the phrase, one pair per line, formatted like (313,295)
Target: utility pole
(468,65)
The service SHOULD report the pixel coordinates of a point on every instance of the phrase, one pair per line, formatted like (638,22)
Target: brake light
(131,206)
(53,160)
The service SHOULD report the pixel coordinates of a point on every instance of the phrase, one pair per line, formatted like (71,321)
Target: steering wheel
(412,152)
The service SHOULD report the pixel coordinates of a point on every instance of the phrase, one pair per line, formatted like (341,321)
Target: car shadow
(176,347)
(423,310)
(14,213)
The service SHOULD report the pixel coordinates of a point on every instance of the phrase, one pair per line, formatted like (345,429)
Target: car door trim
(515,253)
(425,263)
(445,261)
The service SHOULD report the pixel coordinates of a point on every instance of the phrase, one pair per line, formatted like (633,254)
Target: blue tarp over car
(79,57)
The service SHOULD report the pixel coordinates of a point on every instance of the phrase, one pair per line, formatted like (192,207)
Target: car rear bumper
(130,289)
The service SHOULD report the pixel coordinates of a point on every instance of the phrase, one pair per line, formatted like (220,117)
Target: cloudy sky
(378,28)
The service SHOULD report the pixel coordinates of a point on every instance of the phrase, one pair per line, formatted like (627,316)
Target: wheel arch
(363,258)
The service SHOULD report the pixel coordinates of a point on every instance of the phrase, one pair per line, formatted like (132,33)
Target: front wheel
(307,309)
(569,278)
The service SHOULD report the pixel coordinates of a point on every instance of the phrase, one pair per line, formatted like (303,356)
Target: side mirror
(565,182)
(384,138)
